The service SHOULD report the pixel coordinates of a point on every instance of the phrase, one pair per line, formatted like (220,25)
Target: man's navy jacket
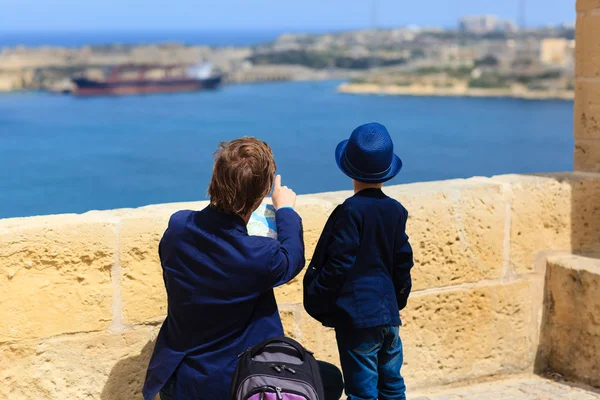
(219,283)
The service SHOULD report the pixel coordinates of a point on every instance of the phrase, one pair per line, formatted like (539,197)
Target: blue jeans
(371,360)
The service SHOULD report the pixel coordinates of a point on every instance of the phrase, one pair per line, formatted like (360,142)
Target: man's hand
(282,195)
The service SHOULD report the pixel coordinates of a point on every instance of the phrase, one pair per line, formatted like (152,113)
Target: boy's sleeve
(288,259)
(403,262)
(341,255)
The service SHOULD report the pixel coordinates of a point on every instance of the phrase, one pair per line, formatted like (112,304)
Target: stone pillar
(587,96)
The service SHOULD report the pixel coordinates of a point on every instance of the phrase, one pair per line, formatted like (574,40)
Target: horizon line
(254,29)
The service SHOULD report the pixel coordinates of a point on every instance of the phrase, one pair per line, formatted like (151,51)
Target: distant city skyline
(305,15)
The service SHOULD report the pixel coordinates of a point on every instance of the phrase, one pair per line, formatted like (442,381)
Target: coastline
(422,90)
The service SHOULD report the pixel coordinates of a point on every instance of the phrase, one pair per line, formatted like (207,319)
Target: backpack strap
(290,342)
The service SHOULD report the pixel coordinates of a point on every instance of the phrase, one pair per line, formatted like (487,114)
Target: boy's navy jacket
(219,283)
(359,276)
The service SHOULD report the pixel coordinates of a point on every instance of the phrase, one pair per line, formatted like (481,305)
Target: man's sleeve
(288,258)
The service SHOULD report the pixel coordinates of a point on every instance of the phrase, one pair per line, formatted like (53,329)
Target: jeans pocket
(395,341)
(366,341)
(366,347)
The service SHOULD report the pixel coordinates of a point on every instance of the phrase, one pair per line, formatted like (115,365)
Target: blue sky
(286,15)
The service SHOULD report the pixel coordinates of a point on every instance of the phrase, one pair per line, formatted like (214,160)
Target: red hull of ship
(88,87)
(123,90)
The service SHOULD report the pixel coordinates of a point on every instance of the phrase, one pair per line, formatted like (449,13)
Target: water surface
(62,154)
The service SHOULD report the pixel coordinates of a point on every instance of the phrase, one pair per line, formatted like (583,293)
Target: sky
(282,15)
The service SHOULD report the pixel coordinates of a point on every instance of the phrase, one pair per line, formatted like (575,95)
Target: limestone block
(143,291)
(571,334)
(291,292)
(467,333)
(552,212)
(585,211)
(318,338)
(587,155)
(314,215)
(575,354)
(588,46)
(310,333)
(587,110)
(84,366)
(143,294)
(573,288)
(588,5)
(540,218)
(456,230)
(55,276)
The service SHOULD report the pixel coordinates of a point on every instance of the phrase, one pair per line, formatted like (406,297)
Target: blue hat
(368,156)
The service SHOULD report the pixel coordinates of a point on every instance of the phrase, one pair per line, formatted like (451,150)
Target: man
(220,280)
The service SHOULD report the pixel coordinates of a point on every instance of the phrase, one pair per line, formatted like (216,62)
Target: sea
(63,154)
(100,38)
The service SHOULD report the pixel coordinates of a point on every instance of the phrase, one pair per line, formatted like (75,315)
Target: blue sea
(63,154)
(93,38)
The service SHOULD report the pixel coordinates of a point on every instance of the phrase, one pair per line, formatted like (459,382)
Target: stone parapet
(83,297)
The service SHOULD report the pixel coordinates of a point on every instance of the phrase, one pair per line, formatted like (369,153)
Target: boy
(359,277)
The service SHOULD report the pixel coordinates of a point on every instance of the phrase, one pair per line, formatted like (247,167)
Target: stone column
(587,96)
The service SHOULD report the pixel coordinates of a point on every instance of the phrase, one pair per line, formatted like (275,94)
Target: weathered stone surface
(55,276)
(467,333)
(574,316)
(317,338)
(588,46)
(587,110)
(552,212)
(62,266)
(314,336)
(85,366)
(540,218)
(456,230)
(587,155)
(573,291)
(588,5)
(585,211)
(526,387)
(143,291)
(574,353)
(314,213)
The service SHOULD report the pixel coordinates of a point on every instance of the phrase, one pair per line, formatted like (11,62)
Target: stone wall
(587,97)
(571,333)
(83,298)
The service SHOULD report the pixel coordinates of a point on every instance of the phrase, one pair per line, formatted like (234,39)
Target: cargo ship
(134,79)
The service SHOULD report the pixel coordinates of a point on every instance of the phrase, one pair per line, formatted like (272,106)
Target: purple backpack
(277,369)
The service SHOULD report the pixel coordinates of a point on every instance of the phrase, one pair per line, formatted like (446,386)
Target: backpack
(277,369)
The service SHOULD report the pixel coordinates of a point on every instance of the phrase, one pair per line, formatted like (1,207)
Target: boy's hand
(282,195)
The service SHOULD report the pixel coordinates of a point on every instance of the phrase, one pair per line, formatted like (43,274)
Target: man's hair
(243,174)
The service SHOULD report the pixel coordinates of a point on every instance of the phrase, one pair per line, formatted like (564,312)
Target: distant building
(454,56)
(503,51)
(526,54)
(483,24)
(557,52)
